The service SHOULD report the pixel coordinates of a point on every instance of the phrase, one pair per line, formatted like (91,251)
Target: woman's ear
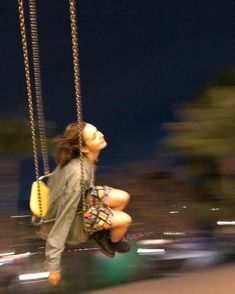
(84,149)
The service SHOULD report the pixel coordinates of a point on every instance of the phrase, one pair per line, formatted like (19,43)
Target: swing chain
(38,90)
(77,84)
(30,100)
(38,84)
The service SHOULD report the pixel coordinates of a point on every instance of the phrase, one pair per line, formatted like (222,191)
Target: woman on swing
(106,224)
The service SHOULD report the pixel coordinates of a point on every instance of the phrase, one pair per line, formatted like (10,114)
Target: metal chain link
(76,69)
(38,84)
(29,95)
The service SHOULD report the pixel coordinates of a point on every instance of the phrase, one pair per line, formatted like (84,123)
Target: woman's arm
(58,234)
(55,242)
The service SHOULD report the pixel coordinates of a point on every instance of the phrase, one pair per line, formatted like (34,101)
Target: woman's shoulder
(74,163)
(74,166)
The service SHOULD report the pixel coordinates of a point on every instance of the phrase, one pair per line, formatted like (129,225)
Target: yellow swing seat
(39,209)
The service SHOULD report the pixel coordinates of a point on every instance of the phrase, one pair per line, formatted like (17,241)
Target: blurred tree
(15,138)
(205,137)
(16,144)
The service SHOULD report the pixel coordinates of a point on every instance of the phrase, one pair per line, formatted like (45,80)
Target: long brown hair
(68,144)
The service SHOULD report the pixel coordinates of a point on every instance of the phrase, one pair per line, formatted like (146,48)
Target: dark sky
(139,58)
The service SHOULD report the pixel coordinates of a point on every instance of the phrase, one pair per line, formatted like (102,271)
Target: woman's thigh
(117,198)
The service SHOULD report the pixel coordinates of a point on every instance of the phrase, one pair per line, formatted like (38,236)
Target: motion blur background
(158,78)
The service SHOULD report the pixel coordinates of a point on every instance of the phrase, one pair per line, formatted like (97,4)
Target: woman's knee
(127,220)
(127,196)
(117,199)
(121,219)
(124,197)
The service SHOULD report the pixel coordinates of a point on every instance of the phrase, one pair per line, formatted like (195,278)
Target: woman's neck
(93,156)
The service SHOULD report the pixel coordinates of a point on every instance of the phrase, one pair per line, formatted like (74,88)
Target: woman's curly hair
(68,144)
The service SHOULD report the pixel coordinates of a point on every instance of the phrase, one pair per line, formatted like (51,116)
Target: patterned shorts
(99,212)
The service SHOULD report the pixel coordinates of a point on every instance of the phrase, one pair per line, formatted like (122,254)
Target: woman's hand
(54,277)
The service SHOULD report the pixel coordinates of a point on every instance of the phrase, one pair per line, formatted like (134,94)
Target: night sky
(139,60)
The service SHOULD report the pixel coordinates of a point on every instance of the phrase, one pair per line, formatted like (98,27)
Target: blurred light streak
(174,211)
(216,208)
(21,255)
(4,262)
(226,223)
(154,242)
(174,233)
(188,255)
(142,251)
(11,258)
(7,253)
(21,216)
(35,276)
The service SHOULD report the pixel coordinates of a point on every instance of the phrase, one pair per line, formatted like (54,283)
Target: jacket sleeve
(65,214)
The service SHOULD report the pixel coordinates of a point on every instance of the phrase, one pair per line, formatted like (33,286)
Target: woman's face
(93,139)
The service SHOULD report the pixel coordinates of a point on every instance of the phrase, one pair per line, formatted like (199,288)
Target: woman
(65,203)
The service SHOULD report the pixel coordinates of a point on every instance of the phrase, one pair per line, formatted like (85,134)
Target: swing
(40,190)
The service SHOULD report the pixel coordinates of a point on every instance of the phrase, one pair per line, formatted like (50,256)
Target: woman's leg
(117,199)
(120,223)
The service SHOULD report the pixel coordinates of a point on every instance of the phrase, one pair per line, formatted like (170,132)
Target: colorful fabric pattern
(99,213)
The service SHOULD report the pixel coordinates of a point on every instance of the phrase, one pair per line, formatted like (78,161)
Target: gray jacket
(64,204)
